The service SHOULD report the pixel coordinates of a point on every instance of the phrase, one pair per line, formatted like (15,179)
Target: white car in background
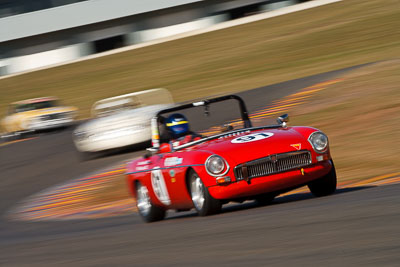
(120,121)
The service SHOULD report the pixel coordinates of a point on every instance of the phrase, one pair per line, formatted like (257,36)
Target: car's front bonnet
(256,144)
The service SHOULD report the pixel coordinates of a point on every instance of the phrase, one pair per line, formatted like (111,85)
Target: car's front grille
(272,164)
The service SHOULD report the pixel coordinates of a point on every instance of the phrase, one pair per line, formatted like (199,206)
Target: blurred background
(41,33)
(85,51)
(330,64)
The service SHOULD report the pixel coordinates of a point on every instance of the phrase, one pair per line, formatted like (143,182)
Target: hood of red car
(250,145)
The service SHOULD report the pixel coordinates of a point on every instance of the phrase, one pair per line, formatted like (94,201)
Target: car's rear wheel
(12,136)
(325,185)
(147,210)
(203,202)
(7,137)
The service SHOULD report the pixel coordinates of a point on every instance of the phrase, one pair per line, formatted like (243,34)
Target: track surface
(354,226)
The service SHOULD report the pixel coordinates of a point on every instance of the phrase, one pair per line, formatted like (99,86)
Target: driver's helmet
(177,125)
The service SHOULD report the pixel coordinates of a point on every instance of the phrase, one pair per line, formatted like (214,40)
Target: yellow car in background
(37,114)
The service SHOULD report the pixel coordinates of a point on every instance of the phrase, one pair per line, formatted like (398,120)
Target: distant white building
(40,33)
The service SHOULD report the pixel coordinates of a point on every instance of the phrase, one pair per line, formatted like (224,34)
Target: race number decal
(159,186)
(252,137)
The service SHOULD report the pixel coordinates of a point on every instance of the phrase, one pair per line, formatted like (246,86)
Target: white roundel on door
(159,186)
(251,137)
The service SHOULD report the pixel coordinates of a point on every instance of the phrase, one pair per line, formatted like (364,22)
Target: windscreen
(34,106)
(206,120)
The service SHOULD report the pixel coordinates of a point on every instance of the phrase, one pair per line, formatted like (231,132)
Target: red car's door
(167,179)
(156,181)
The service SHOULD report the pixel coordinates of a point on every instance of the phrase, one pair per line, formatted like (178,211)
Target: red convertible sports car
(235,164)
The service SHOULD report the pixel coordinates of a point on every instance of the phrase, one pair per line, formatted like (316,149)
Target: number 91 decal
(251,137)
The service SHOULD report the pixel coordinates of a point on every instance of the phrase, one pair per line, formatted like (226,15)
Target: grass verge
(361,117)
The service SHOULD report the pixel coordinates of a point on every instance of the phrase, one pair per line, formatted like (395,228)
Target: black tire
(149,212)
(25,135)
(203,202)
(325,185)
(9,137)
(6,138)
(264,199)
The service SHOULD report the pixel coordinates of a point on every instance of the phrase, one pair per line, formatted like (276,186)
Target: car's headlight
(216,165)
(319,141)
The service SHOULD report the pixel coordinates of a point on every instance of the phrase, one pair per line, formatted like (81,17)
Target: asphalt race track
(356,226)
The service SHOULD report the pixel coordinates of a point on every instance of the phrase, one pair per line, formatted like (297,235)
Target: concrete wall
(278,4)
(77,15)
(3,68)
(67,33)
(45,59)
(157,33)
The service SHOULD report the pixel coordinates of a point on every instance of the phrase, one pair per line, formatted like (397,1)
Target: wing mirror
(150,152)
(283,120)
(206,110)
(206,107)
(226,128)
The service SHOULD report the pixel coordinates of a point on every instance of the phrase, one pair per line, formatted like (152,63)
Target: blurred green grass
(361,117)
(304,43)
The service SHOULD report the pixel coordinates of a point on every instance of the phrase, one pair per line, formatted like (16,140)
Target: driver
(178,127)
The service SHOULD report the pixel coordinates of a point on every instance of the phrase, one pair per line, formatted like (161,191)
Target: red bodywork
(175,166)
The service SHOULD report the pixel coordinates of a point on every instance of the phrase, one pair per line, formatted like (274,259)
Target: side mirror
(206,110)
(150,152)
(283,120)
(147,155)
(226,128)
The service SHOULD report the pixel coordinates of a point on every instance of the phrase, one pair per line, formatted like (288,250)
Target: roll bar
(155,132)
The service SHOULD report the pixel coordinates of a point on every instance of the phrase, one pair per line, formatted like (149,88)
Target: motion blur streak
(75,200)
(280,106)
(72,200)
(16,141)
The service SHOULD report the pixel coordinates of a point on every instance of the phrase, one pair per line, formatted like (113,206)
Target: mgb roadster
(206,171)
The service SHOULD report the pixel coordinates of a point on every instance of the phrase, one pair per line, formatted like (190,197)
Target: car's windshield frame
(205,103)
(23,107)
(230,133)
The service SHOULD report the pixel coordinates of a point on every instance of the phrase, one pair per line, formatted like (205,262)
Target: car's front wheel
(203,202)
(325,185)
(147,210)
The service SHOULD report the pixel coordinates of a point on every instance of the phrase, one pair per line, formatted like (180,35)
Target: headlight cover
(319,141)
(216,165)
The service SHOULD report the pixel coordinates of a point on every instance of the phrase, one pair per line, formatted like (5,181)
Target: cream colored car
(37,114)
(120,121)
